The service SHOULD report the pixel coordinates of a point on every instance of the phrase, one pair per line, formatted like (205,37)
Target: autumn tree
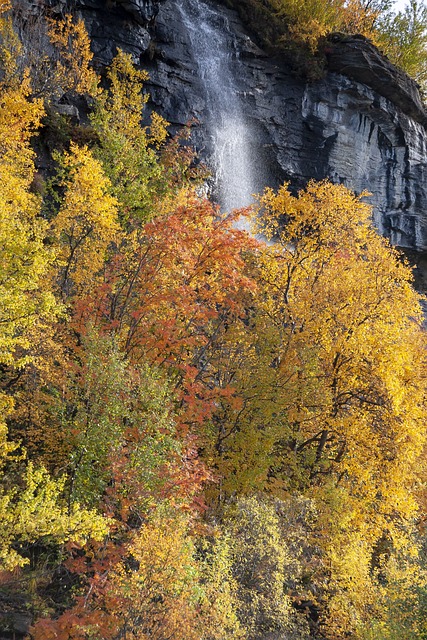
(31,503)
(10,48)
(73,70)
(124,454)
(115,421)
(401,606)
(365,16)
(302,27)
(328,386)
(86,223)
(404,37)
(245,419)
(26,298)
(259,561)
(144,170)
(338,303)
(160,598)
(38,513)
(168,294)
(328,232)
(310,20)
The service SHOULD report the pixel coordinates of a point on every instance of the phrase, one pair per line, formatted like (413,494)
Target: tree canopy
(204,435)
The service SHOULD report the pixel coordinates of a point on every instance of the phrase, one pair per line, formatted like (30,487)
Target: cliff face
(363,124)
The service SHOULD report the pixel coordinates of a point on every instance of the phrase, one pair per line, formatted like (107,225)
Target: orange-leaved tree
(170,292)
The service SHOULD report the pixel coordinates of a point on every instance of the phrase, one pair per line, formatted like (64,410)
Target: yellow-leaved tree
(328,371)
(74,57)
(31,507)
(86,223)
(338,309)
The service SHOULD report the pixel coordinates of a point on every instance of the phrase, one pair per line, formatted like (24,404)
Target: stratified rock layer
(362,125)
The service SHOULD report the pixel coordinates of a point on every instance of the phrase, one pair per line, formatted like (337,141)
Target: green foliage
(117,418)
(219,587)
(404,39)
(300,27)
(259,559)
(127,150)
(249,416)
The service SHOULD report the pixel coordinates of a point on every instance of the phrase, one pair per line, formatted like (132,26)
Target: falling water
(214,50)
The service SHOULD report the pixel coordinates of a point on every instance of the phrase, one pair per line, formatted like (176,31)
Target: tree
(404,38)
(338,303)
(10,48)
(73,67)
(332,284)
(259,560)
(309,20)
(328,385)
(26,299)
(168,295)
(86,223)
(365,16)
(144,171)
(115,421)
(159,599)
(36,513)
(31,503)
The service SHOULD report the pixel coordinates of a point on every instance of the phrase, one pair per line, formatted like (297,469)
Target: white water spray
(213,46)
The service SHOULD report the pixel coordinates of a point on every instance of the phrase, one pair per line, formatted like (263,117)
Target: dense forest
(206,434)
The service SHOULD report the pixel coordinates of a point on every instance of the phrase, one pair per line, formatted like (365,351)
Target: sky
(400,4)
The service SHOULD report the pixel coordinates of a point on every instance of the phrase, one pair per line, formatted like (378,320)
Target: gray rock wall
(362,125)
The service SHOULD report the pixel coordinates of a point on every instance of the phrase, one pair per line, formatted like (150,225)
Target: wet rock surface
(362,125)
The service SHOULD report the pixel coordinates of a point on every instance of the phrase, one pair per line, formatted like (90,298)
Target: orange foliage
(169,294)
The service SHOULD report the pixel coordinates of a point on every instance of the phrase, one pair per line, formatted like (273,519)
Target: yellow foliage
(121,108)
(337,302)
(10,51)
(19,120)
(158,598)
(5,5)
(73,70)
(24,302)
(35,513)
(26,299)
(128,150)
(361,16)
(86,223)
(310,20)
(219,606)
(259,559)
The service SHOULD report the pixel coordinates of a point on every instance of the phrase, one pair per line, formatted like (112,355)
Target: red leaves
(169,293)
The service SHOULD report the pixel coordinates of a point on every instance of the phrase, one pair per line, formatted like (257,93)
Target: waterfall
(213,47)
